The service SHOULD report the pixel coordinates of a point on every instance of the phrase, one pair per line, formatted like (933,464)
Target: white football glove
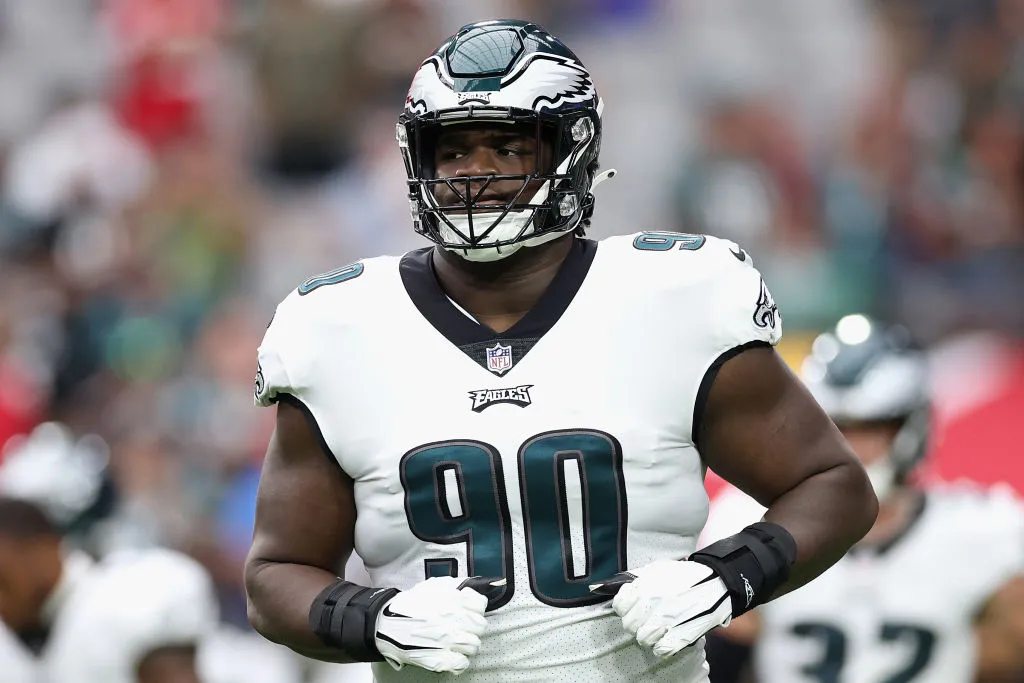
(434,625)
(671,604)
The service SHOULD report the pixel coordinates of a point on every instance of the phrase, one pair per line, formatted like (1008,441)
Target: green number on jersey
(455,493)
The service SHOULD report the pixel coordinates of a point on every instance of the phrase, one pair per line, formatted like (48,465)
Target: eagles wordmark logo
(485,398)
(481,97)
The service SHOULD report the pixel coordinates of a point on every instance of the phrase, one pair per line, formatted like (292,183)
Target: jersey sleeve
(133,603)
(992,528)
(744,311)
(280,342)
(737,313)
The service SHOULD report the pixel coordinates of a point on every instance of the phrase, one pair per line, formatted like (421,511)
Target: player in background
(506,422)
(131,617)
(934,592)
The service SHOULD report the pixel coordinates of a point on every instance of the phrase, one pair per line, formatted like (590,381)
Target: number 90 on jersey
(573,499)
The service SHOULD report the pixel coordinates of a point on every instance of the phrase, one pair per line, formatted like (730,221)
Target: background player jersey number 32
(455,493)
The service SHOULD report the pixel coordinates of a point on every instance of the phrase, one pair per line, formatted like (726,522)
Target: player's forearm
(279,598)
(998,659)
(999,634)
(826,514)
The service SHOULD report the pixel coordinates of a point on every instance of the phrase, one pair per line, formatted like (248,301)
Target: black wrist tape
(752,564)
(344,616)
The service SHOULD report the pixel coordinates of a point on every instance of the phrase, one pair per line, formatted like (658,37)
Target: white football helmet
(62,474)
(864,372)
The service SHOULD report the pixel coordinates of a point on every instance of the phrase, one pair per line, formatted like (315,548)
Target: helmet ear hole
(549,154)
(426,142)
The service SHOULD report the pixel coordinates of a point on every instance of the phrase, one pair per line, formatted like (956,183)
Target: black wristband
(752,564)
(344,615)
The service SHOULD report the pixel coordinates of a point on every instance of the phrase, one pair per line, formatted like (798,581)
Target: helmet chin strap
(508,227)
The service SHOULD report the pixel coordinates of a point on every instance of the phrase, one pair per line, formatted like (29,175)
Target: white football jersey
(553,455)
(108,615)
(900,613)
(18,663)
(132,602)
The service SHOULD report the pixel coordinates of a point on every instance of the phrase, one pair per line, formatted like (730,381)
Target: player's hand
(435,625)
(669,604)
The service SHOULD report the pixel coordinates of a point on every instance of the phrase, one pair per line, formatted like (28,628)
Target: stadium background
(170,169)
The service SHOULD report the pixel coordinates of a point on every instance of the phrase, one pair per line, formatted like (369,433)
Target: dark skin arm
(763,432)
(305,522)
(169,665)
(1000,634)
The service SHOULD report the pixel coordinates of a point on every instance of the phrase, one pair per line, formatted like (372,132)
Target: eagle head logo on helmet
(503,73)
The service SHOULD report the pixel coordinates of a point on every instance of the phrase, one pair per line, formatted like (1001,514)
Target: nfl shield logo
(499,358)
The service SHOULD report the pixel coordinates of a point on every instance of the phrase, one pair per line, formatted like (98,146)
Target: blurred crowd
(170,169)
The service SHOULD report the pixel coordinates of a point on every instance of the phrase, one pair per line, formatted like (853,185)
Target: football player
(132,617)
(135,617)
(935,591)
(511,426)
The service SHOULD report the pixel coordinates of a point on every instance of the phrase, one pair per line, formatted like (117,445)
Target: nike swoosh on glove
(435,625)
(671,604)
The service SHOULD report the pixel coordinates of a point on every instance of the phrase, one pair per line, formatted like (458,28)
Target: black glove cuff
(752,564)
(344,616)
